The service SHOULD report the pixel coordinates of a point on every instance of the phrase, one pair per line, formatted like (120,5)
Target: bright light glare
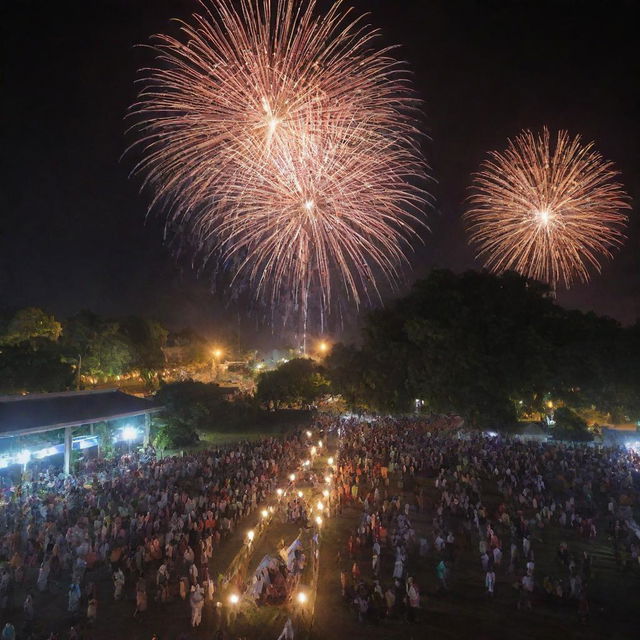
(234,598)
(302,598)
(129,433)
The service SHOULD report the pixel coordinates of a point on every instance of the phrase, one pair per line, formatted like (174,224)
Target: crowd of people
(426,493)
(480,493)
(149,525)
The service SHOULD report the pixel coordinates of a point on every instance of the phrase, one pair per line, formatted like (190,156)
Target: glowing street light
(331,460)
(251,535)
(319,521)
(279,492)
(265,513)
(234,598)
(319,444)
(320,505)
(217,353)
(323,347)
(327,479)
(308,434)
(299,494)
(292,477)
(302,597)
(325,493)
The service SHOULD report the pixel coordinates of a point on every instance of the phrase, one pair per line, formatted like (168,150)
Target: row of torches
(301,597)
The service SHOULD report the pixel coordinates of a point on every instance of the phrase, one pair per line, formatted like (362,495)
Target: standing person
(118,583)
(74,598)
(196,600)
(413,600)
(441,572)
(490,581)
(43,576)
(9,632)
(287,631)
(28,608)
(141,596)
(92,609)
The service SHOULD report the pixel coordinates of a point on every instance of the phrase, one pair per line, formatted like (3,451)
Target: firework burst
(548,210)
(286,146)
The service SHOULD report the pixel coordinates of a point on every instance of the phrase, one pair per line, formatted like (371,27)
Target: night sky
(73,227)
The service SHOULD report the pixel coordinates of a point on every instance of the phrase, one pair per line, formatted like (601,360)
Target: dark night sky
(73,231)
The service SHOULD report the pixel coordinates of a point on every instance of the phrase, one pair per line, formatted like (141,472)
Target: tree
(146,339)
(32,323)
(570,426)
(297,382)
(189,408)
(97,345)
(25,368)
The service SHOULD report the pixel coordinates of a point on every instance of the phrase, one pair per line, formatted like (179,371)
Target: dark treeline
(492,349)
(40,353)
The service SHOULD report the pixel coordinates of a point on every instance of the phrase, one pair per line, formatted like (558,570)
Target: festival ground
(464,611)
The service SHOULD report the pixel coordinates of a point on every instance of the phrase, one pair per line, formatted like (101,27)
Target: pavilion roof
(36,413)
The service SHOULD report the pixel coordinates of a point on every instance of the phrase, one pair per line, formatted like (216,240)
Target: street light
(279,492)
(319,521)
(299,494)
(265,513)
(331,461)
(234,598)
(302,597)
(217,355)
(251,535)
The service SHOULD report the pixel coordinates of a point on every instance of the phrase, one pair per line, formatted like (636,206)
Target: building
(41,413)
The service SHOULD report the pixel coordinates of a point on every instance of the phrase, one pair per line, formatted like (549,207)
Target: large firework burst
(548,210)
(285,145)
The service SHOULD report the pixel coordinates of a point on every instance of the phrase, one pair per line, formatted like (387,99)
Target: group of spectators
(150,526)
(428,491)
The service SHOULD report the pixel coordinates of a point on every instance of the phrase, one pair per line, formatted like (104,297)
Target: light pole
(217,355)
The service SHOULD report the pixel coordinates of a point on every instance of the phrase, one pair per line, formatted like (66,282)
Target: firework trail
(550,210)
(286,146)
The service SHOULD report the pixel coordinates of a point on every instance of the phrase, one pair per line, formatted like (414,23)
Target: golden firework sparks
(549,210)
(286,145)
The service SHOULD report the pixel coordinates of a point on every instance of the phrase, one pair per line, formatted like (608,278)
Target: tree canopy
(487,347)
(299,382)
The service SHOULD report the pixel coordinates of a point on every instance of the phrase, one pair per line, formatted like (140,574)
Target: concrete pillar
(147,430)
(68,444)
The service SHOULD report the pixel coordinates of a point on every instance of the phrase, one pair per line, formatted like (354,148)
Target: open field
(466,611)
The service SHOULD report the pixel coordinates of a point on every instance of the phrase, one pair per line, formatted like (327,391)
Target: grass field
(466,611)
